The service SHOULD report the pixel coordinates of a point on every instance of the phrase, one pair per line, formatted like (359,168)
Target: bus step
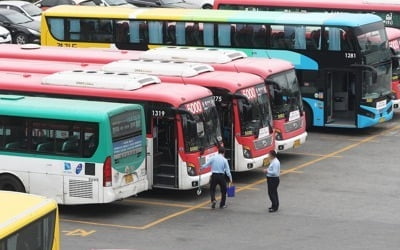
(165,179)
(167,169)
(161,186)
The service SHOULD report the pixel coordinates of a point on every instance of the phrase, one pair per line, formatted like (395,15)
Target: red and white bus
(388,10)
(290,131)
(182,122)
(394,43)
(242,100)
(289,120)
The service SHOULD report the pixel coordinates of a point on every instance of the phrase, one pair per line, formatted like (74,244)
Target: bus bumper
(372,116)
(293,142)
(125,191)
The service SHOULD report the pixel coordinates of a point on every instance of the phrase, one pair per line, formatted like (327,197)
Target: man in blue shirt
(272,173)
(219,167)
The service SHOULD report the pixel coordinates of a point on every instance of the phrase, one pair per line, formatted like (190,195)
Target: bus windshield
(126,134)
(378,88)
(373,45)
(201,125)
(37,235)
(254,110)
(285,93)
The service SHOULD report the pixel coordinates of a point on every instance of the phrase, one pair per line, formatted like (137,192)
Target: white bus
(73,151)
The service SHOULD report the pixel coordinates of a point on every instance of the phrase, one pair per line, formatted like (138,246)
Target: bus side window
(244,36)
(224,34)
(88,30)
(122,32)
(143,33)
(155,32)
(71,145)
(208,34)
(188,35)
(74,30)
(45,147)
(332,38)
(90,146)
(56,26)
(170,37)
(260,38)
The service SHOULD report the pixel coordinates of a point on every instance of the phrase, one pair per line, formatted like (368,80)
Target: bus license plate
(128,178)
(382,119)
(266,162)
(296,143)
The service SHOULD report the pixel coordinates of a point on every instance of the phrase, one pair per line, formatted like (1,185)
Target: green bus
(73,151)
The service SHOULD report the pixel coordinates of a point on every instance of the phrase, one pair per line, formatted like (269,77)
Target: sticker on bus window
(294,115)
(194,107)
(250,93)
(263,132)
(381,104)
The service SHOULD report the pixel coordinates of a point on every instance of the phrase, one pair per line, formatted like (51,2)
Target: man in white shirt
(272,173)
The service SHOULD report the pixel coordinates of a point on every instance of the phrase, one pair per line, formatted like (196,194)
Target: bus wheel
(207,6)
(309,116)
(10,183)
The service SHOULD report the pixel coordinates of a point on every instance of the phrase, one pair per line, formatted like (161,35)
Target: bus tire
(207,6)
(309,116)
(11,183)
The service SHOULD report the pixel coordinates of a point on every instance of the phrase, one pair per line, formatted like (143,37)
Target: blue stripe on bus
(317,107)
(310,18)
(347,19)
(298,60)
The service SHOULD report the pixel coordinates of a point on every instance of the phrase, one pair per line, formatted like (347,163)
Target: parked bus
(95,155)
(279,75)
(388,10)
(289,131)
(344,74)
(241,99)
(394,43)
(182,122)
(242,102)
(28,222)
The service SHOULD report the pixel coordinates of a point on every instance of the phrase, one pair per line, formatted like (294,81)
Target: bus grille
(263,142)
(293,125)
(81,189)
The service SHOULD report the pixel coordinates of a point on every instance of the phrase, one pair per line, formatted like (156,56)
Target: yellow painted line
(157,203)
(100,224)
(310,154)
(239,189)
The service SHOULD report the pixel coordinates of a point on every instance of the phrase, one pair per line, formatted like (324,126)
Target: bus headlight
(367,113)
(246,152)
(191,169)
(278,135)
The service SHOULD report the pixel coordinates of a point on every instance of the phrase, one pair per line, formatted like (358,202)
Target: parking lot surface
(340,190)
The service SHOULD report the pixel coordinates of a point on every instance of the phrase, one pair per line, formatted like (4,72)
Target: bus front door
(165,168)
(340,99)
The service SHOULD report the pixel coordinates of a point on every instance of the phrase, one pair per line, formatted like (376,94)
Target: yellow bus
(28,222)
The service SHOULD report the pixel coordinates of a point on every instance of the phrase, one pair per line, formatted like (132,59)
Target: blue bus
(342,60)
